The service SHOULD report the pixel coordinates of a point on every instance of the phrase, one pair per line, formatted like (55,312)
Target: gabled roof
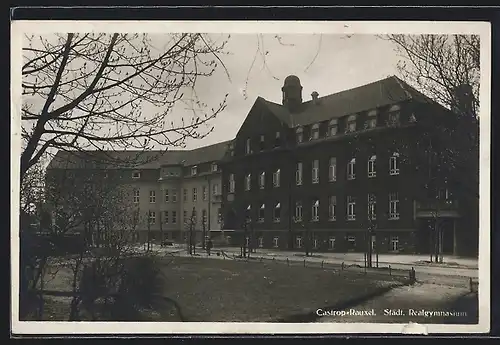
(380,93)
(136,159)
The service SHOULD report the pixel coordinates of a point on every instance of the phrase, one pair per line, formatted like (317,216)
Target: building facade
(169,193)
(357,169)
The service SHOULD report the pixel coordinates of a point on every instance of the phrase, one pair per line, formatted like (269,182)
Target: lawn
(210,290)
(228,290)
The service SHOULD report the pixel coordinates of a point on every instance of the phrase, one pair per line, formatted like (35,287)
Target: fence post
(322,262)
(342,265)
(304,262)
(470,284)
(273,258)
(390,273)
(287,262)
(261,259)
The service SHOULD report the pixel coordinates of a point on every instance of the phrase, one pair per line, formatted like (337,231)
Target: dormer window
(214,167)
(412,118)
(371,121)
(333,127)
(136,174)
(231,149)
(299,135)
(393,118)
(315,132)
(351,124)
(194,170)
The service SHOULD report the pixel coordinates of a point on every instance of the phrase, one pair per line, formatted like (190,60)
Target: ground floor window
(276,242)
(298,240)
(228,239)
(315,243)
(351,242)
(331,243)
(394,243)
(247,241)
(261,242)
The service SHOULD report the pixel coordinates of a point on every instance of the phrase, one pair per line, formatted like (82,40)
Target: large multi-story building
(347,171)
(167,190)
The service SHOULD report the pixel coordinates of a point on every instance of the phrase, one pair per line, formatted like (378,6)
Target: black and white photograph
(250,177)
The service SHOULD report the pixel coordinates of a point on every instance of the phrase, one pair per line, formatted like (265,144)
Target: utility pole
(149,231)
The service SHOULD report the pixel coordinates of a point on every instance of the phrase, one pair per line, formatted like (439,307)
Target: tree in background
(88,91)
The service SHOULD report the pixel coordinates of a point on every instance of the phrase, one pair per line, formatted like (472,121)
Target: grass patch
(228,290)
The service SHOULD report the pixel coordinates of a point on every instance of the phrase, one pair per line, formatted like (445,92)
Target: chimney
(314,96)
(292,93)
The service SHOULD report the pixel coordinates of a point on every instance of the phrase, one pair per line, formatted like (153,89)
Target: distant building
(165,189)
(347,171)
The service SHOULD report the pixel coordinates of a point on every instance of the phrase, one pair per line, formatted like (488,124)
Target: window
(277,140)
(394,206)
(174,217)
(204,193)
(371,122)
(351,242)
(332,207)
(276,241)
(166,196)
(185,196)
(315,211)
(276,178)
(231,149)
(315,243)
(174,195)
(204,216)
(351,172)
(315,132)
(185,217)
(299,135)
(247,241)
(332,169)
(393,117)
(262,180)
(331,243)
(214,167)
(136,196)
(351,124)
(165,216)
(194,217)
(298,174)
(372,207)
(372,172)
(298,211)
(219,215)
(248,182)
(315,171)
(261,242)
(351,208)
(333,127)
(394,164)
(194,170)
(152,217)
(262,145)
(136,174)
(231,183)
(262,211)
(277,213)
(248,215)
(298,241)
(152,196)
(412,118)
(248,148)
(195,194)
(394,243)
(443,194)
(215,189)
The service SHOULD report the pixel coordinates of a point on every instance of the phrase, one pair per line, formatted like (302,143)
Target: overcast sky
(341,63)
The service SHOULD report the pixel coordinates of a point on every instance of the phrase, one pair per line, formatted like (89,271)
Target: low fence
(405,276)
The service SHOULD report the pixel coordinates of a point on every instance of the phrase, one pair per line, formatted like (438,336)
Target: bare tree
(446,68)
(89,91)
